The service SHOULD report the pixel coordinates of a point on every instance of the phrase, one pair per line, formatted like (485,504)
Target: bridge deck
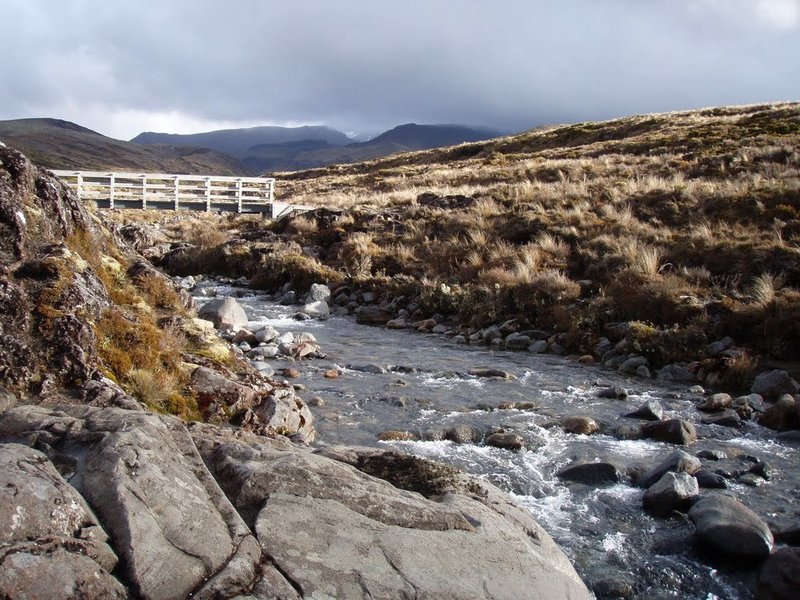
(167,191)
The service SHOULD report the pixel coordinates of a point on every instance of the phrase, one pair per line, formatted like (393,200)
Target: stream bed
(404,381)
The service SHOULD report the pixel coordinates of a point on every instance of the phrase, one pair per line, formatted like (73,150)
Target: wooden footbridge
(165,191)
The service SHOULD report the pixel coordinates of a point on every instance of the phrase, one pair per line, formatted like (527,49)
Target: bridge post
(176,191)
(111,191)
(208,194)
(144,192)
(79,181)
(239,195)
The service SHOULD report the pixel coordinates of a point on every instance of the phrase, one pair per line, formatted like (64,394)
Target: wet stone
(599,473)
(506,441)
(649,411)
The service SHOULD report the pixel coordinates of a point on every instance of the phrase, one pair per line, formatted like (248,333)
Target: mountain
(312,153)
(238,142)
(61,144)
(58,144)
(424,137)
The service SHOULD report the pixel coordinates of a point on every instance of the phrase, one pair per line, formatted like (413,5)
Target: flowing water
(425,389)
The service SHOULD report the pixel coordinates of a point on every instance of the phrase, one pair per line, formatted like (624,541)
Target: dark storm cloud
(120,67)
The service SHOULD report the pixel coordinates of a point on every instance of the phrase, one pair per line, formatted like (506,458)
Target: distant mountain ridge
(271,148)
(59,144)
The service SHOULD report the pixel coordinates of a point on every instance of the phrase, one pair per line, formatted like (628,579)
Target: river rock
(673,431)
(210,387)
(726,418)
(537,347)
(463,434)
(632,364)
(779,578)
(710,480)
(678,461)
(716,403)
(773,384)
(489,372)
(372,369)
(506,441)
(727,526)
(597,473)
(649,411)
(373,315)
(517,341)
(318,309)
(266,351)
(266,334)
(580,425)
(225,313)
(782,415)
(675,372)
(318,292)
(716,348)
(613,393)
(398,323)
(395,435)
(672,492)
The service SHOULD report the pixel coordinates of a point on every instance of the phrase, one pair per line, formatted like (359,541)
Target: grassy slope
(687,224)
(62,145)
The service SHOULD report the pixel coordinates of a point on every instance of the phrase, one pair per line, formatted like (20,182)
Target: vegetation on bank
(685,226)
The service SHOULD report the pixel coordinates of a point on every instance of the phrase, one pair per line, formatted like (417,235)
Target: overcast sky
(122,66)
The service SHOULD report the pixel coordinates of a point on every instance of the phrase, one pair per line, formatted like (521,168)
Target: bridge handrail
(243,194)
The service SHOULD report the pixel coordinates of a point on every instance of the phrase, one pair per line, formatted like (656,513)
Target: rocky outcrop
(215,512)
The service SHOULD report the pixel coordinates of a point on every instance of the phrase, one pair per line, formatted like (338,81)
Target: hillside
(661,233)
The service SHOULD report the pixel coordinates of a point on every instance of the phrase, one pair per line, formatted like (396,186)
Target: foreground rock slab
(181,504)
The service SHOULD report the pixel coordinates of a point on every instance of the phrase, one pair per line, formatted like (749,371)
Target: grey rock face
(727,526)
(224,313)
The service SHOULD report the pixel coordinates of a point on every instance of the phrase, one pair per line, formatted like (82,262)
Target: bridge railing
(171,191)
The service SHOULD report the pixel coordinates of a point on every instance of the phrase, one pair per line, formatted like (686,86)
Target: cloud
(184,65)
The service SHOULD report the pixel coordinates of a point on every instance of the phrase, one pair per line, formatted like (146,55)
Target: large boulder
(728,527)
(51,539)
(335,528)
(317,309)
(225,313)
(771,385)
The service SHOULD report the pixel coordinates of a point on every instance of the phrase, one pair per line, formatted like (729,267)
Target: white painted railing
(175,192)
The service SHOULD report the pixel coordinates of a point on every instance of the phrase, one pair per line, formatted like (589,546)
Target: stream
(399,380)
